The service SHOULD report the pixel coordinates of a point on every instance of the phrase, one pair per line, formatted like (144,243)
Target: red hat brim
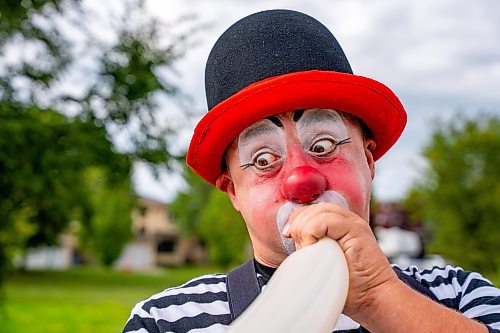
(367,99)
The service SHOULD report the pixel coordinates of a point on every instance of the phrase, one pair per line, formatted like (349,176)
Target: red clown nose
(303,185)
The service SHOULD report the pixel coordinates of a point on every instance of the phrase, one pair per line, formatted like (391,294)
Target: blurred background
(98,101)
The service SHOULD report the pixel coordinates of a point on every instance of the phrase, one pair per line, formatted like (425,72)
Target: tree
(74,98)
(207,213)
(109,228)
(43,157)
(188,204)
(459,194)
(223,230)
(116,80)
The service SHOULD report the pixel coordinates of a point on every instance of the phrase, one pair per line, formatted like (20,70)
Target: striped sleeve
(198,305)
(467,292)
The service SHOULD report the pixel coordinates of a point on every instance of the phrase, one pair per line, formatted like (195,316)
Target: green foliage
(19,28)
(187,205)
(459,197)
(15,14)
(207,213)
(223,230)
(121,86)
(46,155)
(43,158)
(109,227)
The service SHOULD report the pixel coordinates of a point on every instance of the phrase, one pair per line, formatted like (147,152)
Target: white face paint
(319,131)
(262,141)
(320,126)
(287,209)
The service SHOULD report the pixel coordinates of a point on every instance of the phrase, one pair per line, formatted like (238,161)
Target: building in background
(157,240)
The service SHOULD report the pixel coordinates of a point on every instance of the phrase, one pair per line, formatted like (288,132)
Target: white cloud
(162,188)
(437,55)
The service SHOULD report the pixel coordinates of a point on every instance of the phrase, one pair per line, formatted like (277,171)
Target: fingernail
(286,230)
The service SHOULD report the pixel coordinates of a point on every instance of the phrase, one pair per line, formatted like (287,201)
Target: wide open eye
(323,147)
(264,160)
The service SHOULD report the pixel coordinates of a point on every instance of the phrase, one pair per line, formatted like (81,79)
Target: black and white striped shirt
(201,305)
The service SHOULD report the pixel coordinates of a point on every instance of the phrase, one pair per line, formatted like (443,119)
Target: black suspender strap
(242,288)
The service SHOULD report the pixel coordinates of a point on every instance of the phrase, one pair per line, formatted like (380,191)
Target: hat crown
(268,44)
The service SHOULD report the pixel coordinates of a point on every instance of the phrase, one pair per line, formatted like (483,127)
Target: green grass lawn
(81,300)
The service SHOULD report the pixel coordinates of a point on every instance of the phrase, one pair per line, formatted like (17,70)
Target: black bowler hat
(277,61)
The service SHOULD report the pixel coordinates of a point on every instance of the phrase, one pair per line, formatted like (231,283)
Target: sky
(440,57)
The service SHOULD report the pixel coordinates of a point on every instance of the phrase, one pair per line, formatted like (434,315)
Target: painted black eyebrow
(275,121)
(297,115)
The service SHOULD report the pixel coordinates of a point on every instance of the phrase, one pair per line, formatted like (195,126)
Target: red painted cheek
(264,200)
(342,176)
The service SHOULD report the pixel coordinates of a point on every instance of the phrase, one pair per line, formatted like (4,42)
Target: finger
(310,225)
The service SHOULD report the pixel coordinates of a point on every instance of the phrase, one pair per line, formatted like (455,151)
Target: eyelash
(341,142)
(246,166)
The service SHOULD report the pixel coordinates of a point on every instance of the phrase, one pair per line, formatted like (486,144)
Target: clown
(292,136)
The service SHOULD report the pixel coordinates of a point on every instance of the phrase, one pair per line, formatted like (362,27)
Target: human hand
(370,275)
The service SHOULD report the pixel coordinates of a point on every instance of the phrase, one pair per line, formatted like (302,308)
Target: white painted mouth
(287,209)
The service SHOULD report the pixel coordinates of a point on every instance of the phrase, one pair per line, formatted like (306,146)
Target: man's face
(267,154)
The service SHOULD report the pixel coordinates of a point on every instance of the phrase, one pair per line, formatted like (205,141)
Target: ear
(225,183)
(369,146)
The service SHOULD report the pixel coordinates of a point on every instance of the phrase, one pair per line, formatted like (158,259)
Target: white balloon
(307,293)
